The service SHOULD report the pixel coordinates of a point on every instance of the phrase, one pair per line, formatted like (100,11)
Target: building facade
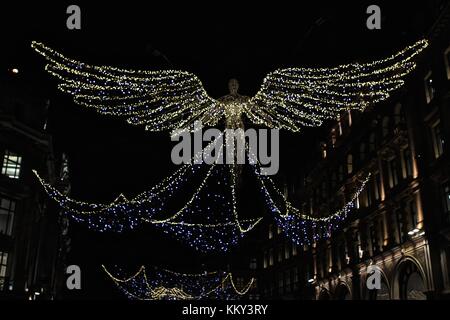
(31,230)
(397,237)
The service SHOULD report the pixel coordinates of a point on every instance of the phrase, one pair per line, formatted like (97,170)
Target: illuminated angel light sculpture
(289,99)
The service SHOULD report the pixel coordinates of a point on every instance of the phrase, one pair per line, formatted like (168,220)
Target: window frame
(9,164)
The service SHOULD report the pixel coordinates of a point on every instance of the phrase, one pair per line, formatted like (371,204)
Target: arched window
(385,127)
(349,163)
(411,283)
(342,293)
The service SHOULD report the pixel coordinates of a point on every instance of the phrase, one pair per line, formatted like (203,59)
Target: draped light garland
(207,221)
(299,227)
(162,284)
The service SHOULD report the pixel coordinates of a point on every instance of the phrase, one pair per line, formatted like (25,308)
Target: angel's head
(233,86)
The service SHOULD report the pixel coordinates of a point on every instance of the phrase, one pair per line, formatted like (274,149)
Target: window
(447,61)
(341,173)
(324,191)
(3,267)
(294,248)
(437,139)
(333,180)
(280,283)
(349,164)
(333,138)
(362,152)
(295,273)
(412,210)
(372,142)
(324,150)
(429,87)
(11,165)
(287,251)
(7,208)
(349,116)
(265,260)
(385,127)
(287,280)
(369,192)
(392,172)
(376,185)
(271,257)
(374,237)
(446,199)
(399,116)
(400,225)
(407,161)
(280,254)
(270,231)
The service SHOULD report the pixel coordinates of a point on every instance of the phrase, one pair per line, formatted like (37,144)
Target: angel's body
(233,106)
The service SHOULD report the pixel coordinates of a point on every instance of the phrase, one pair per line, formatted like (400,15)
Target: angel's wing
(296,97)
(160,100)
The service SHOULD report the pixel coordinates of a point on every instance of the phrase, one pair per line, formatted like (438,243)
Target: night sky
(216,42)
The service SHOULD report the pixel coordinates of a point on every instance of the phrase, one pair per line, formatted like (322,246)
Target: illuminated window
(7,208)
(280,254)
(447,61)
(287,251)
(294,249)
(393,172)
(278,230)
(377,185)
(324,150)
(3,267)
(349,164)
(412,210)
(429,87)
(333,138)
(270,231)
(437,139)
(11,165)
(407,161)
(271,257)
(265,260)
(349,118)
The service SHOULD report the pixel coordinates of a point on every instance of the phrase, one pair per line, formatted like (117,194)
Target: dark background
(216,42)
